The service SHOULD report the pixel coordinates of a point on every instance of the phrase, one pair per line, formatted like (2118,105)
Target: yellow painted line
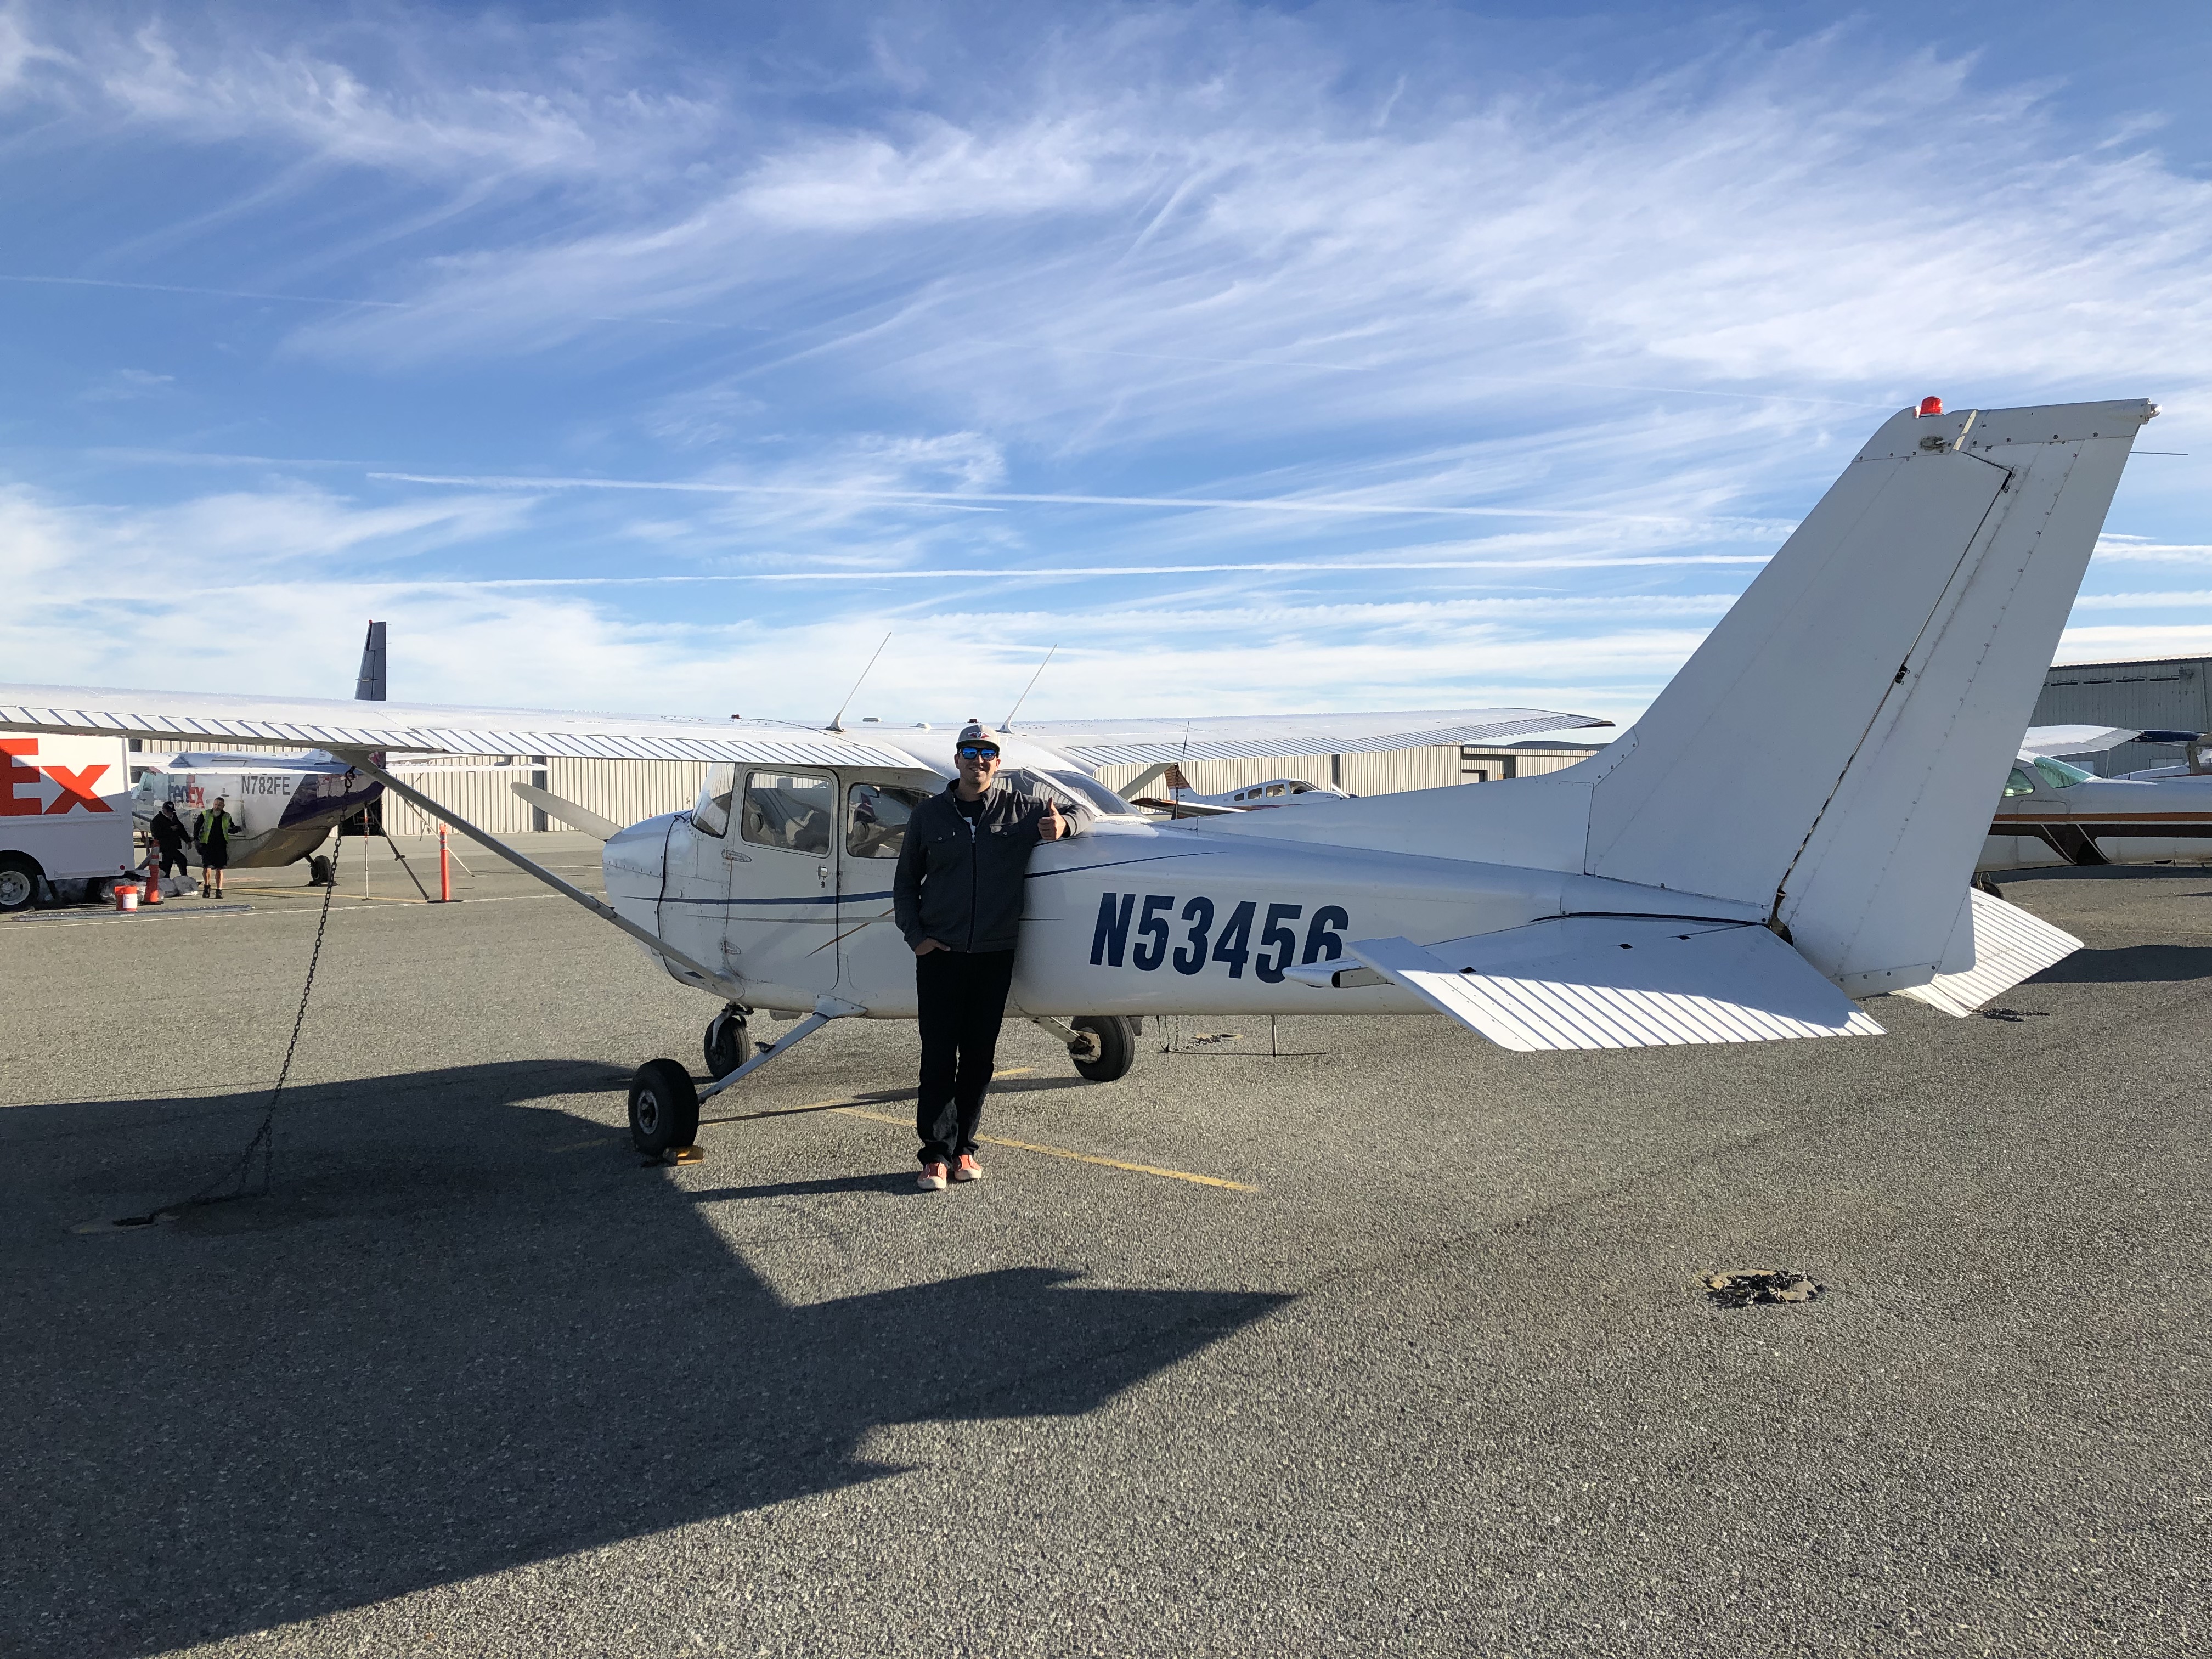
(851,1110)
(1062,1151)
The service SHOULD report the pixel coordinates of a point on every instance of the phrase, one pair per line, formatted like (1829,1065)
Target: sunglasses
(969,751)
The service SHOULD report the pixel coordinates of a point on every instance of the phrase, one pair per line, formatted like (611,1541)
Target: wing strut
(653,942)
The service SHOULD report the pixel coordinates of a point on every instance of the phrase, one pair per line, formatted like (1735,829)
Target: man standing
(169,837)
(213,833)
(957,899)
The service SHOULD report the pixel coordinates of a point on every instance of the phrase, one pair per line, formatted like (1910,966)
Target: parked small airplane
(1180,800)
(1665,890)
(2054,812)
(285,806)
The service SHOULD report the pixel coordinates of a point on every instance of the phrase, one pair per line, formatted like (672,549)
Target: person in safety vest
(212,835)
(957,899)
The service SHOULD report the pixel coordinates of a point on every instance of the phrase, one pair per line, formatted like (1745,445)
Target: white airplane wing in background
(2076,739)
(421,729)
(1246,736)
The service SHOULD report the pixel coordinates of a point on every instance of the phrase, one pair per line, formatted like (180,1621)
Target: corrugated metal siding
(627,793)
(480,792)
(1387,772)
(2174,692)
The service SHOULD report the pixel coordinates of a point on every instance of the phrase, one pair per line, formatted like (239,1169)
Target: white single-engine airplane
(1663,891)
(2053,812)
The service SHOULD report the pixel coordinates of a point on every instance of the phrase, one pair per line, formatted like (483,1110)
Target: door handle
(823,870)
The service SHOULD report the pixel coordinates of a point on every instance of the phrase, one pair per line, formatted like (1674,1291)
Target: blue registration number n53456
(1150,932)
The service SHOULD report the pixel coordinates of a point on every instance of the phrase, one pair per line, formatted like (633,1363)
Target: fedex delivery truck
(64,817)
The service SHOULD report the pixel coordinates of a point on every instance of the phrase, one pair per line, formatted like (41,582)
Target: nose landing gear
(729,1044)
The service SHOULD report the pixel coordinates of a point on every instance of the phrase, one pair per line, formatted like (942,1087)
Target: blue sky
(320,312)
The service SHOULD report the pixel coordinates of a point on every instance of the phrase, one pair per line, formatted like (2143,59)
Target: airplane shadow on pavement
(443,1347)
(2129,965)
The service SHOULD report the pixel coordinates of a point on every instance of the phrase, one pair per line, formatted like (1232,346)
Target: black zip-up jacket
(959,883)
(169,832)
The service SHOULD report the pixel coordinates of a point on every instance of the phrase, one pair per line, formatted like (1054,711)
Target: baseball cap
(979,734)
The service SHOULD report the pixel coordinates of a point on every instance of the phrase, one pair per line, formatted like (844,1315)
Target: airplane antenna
(1007,724)
(837,719)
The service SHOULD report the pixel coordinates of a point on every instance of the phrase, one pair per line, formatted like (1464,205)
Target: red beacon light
(1931,406)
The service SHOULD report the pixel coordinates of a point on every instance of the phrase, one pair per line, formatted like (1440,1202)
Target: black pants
(173,856)
(962,997)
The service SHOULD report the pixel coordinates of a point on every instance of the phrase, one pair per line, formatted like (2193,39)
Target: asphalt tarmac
(1435,1375)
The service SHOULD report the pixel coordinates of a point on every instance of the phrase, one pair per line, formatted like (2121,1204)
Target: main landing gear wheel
(1108,1048)
(729,1044)
(664,1108)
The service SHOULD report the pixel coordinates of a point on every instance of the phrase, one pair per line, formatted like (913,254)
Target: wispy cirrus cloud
(863,312)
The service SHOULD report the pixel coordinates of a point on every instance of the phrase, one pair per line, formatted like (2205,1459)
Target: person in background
(213,833)
(957,899)
(170,839)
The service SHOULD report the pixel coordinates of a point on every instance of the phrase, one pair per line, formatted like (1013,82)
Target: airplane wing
(168,717)
(1246,737)
(2090,739)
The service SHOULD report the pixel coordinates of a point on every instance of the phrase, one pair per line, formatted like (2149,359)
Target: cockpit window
(788,809)
(711,816)
(2059,775)
(2019,784)
(876,815)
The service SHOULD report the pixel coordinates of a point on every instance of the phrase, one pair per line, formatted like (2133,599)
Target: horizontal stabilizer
(2009,944)
(567,812)
(1626,983)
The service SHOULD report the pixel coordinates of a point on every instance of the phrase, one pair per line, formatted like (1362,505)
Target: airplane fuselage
(2042,821)
(1129,917)
(285,809)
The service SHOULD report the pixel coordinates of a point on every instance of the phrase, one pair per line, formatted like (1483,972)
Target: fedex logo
(78,788)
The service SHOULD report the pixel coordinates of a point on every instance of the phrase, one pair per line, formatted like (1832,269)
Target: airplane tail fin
(1832,750)
(369,687)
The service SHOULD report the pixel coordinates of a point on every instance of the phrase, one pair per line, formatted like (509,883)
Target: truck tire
(1117,1046)
(19,883)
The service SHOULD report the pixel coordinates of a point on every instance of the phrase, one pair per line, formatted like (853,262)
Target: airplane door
(879,967)
(782,927)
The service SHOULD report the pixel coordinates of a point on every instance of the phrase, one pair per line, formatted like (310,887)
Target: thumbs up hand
(1055,826)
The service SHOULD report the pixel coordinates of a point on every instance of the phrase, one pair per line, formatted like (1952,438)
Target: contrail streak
(337,300)
(1264,505)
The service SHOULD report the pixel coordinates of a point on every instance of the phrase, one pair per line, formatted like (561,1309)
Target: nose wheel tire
(664,1108)
(729,1044)
(1108,1048)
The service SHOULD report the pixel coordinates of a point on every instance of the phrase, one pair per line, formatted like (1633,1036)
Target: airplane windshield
(875,827)
(1101,799)
(2019,784)
(2059,775)
(711,816)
